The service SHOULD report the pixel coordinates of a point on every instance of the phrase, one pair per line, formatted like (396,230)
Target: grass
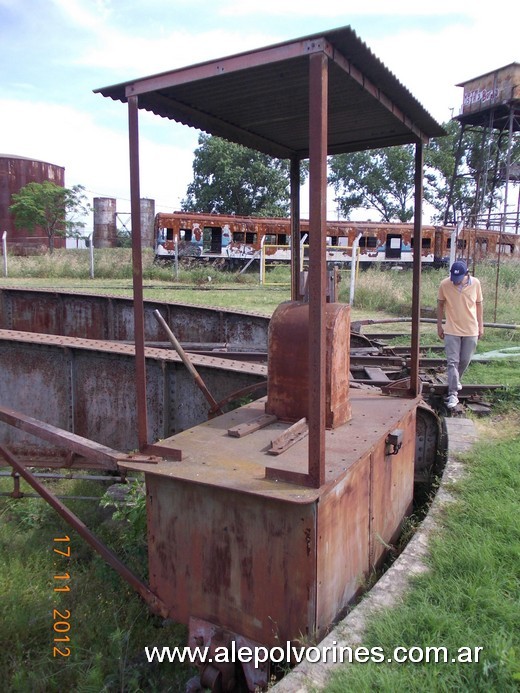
(470,597)
(109,624)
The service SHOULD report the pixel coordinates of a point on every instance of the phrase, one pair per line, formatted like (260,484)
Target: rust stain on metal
(225,528)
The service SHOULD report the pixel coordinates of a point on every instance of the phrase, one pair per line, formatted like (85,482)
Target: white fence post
(91,251)
(353,269)
(4,251)
(262,261)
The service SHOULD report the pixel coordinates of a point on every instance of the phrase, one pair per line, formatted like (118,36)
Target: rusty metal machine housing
(235,521)
(288,364)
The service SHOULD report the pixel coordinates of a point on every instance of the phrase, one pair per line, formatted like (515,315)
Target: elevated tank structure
(15,173)
(491,109)
(105,227)
(107,217)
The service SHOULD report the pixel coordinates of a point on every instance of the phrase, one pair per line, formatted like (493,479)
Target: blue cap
(458,272)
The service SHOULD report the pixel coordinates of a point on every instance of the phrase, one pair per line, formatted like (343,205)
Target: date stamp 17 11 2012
(61,616)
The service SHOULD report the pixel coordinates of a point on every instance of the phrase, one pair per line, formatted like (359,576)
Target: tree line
(229,178)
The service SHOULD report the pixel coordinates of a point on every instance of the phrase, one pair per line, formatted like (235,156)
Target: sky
(54,53)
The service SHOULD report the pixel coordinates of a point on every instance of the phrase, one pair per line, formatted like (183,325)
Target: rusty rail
(105,457)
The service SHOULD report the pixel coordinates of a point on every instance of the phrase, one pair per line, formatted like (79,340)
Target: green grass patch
(109,624)
(469,598)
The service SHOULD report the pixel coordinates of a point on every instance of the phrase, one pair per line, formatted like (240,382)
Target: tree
(380,179)
(440,155)
(231,179)
(480,158)
(56,210)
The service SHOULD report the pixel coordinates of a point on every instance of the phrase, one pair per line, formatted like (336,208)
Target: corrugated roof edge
(362,57)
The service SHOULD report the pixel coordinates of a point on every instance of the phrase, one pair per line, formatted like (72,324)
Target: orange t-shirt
(461,306)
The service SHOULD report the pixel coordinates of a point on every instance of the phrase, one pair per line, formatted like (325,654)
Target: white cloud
(342,8)
(91,15)
(94,156)
(430,64)
(140,56)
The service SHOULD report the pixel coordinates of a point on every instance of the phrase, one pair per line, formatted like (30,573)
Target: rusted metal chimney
(288,358)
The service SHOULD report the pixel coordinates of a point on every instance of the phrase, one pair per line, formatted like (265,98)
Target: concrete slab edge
(392,586)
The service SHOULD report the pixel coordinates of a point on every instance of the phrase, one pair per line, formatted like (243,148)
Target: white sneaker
(452,401)
(459,387)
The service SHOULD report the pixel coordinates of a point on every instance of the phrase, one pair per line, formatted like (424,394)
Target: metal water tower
(491,107)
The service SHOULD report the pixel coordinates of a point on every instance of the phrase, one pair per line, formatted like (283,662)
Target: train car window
(185,234)
(282,239)
(483,242)
(461,243)
(393,246)
(251,237)
(368,242)
(169,234)
(238,236)
(426,243)
(212,239)
(505,248)
(270,239)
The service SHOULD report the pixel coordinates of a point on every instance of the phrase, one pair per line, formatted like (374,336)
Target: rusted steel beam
(288,438)
(101,454)
(104,456)
(295,229)
(215,407)
(151,599)
(228,65)
(243,392)
(76,477)
(415,381)
(382,321)
(318,135)
(137,274)
(246,429)
(355,73)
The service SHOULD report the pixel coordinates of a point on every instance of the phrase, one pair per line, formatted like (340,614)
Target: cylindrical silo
(105,228)
(15,173)
(147,222)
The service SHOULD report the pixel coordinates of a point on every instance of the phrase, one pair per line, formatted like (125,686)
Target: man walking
(460,297)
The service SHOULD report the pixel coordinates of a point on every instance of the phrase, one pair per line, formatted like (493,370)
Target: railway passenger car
(231,241)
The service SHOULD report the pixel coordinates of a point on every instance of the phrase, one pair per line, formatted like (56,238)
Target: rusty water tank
(105,228)
(15,173)
(147,222)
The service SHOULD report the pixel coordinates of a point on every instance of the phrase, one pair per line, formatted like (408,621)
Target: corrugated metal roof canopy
(260,99)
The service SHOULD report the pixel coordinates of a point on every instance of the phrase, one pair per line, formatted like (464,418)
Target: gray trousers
(459,351)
